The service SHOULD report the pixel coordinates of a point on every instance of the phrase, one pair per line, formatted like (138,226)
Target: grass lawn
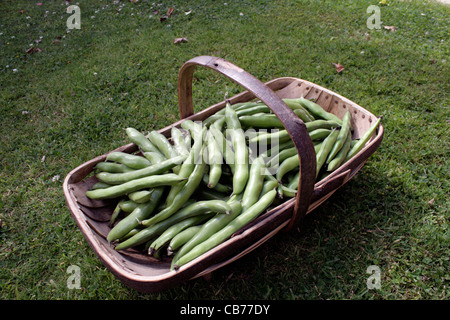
(67,95)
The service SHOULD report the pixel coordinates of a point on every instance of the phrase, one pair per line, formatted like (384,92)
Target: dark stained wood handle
(293,124)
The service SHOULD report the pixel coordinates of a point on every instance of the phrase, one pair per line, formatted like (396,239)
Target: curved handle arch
(293,124)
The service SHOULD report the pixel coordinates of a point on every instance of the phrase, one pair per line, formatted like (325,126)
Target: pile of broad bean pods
(184,195)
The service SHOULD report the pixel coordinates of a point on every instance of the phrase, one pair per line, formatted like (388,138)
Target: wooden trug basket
(147,274)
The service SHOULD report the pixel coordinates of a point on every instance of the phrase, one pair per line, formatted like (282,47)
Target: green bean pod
(220,187)
(179,142)
(141,212)
(321,124)
(363,140)
(131,233)
(241,158)
(226,232)
(254,184)
(211,119)
(153,169)
(245,105)
(100,185)
(275,161)
(162,143)
(298,109)
(215,161)
(274,137)
(253,110)
(293,183)
(281,189)
(187,125)
(219,123)
(134,185)
(287,165)
(275,149)
(239,106)
(261,121)
(194,209)
(318,146)
(342,137)
(141,140)
(319,134)
(268,185)
(225,145)
(325,149)
(130,160)
(195,128)
(141,196)
(317,111)
(172,231)
(188,166)
(181,197)
(128,205)
(210,227)
(182,238)
(341,155)
(295,105)
(154,157)
(284,191)
(113,167)
(115,214)
(304,115)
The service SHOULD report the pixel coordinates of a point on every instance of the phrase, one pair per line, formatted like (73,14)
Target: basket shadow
(332,247)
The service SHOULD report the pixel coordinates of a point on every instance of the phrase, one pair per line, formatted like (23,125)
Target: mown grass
(71,101)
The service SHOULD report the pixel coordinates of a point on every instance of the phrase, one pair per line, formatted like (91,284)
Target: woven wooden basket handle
(295,126)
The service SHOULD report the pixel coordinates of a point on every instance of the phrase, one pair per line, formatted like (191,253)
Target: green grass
(71,101)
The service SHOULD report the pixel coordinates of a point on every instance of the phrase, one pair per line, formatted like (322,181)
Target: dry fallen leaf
(392,28)
(167,15)
(33,50)
(339,67)
(180,40)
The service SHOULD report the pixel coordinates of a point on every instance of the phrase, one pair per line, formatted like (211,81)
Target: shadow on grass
(328,256)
